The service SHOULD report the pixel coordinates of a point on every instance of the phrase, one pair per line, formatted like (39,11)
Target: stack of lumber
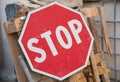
(96,71)
(39,3)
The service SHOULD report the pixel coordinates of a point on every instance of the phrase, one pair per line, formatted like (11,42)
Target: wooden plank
(47,80)
(88,71)
(88,12)
(95,34)
(78,77)
(105,75)
(105,31)
(14,26)
(39,2)
(71,3)
(10,28)
(27,4)
(97,46)
(21,12)
(94,67)
(103,70)
(99,57)
(15,52)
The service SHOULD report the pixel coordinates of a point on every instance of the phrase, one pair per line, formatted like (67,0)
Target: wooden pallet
(99,63)
(39,3)
(96,66)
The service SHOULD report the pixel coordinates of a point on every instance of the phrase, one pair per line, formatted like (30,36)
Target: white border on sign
(25,53)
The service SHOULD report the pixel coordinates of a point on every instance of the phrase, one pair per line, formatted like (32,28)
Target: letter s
(37,50)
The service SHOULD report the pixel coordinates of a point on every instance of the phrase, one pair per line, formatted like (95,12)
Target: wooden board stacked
(96,69)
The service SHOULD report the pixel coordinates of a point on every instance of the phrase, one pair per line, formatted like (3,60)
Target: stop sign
(56,41)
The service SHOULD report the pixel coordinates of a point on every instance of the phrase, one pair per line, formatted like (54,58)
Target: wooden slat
(27,4)
(47,80)
(94,67)
(105,75)
(21,12)
(10,28)
(15,52)
(94,33)
(18,24)
(105,31)
(99,57)
(14,26)
(25,68)
(88,71)
(71,3)
(78,77)
(90,12)
(39,2)
(97,46)
(103,70)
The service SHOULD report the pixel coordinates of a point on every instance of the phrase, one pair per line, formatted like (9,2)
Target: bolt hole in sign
(56,41)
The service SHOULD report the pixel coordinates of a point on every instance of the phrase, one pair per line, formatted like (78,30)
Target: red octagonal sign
(56,41)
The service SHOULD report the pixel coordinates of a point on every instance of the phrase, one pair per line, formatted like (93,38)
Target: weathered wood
(27,4)
(48,80)
(97,46)
(71,3)
(94,33)
(99,57)
(95,59)
(106,77)
(103,70)
(10,28)
(15,52)
(14,26)
(88,72)
(94,67)
(78,77)
(105,31)
(18,24)
(21,12)
(39,2)
(88,12)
